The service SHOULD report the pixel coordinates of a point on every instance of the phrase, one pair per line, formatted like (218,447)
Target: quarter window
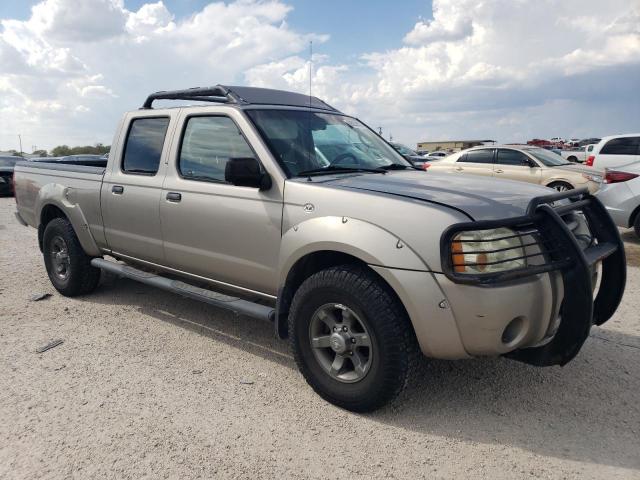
(207,145)
(478,156)
(622,146)
(143,149)
(512,157)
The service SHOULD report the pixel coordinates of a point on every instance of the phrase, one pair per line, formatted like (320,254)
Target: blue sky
(503,69)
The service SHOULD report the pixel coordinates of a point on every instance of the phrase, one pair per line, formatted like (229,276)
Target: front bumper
(557,283)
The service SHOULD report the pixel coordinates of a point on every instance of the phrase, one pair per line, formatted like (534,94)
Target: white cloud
(506,69)
(88,62)
(77,21)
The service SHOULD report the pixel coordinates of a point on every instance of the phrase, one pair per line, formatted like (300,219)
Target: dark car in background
(7,163)
(411,155)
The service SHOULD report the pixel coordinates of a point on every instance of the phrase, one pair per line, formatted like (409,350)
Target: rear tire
(636,225)
(351,338)
(561,186)
(68,266)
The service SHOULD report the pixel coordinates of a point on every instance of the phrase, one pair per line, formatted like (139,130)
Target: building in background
(450,145)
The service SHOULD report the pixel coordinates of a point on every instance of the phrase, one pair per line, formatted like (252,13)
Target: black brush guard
(559,250)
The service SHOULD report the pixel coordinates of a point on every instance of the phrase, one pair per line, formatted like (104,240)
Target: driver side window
(208,143)
(513,158)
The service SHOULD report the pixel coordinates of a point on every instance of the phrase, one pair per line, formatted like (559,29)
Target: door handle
(499,171)
(459,169)
(174,196)
(117,189)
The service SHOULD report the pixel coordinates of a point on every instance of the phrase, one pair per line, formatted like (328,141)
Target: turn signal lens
(425,165)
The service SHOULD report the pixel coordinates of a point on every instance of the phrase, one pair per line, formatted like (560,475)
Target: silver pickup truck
(277,206)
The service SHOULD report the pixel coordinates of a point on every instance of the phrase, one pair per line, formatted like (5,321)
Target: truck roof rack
(239,96)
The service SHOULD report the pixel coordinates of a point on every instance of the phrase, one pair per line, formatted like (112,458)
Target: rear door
(515,165)
(476,162)
(618,151)
(132,187)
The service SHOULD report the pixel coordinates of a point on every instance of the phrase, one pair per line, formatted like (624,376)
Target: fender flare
(64,198)
(363,240)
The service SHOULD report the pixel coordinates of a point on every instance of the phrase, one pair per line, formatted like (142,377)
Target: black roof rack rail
(217,94)
(240,96)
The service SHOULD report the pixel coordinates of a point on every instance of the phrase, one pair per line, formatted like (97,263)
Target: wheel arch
(48,213)
(54,202)
(551,181)
(307,266)
(634,216)
(322,242)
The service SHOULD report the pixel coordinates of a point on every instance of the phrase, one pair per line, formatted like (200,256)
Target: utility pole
(20,140)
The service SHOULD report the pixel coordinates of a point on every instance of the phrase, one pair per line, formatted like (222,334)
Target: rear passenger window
(512,157)
(144,145)
(622,146)
(477,156)
(207,145)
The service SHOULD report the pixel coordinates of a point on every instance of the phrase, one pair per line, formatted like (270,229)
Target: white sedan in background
(620,194)
(437,155)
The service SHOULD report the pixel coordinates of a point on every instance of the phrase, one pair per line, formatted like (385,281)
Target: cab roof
(240,96)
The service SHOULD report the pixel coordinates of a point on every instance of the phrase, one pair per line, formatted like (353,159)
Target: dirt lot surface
(151,385)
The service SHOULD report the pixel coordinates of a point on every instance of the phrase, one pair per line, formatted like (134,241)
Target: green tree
(61,151)
(40,153)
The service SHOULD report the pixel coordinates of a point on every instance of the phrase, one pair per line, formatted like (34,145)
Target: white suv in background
(615,150)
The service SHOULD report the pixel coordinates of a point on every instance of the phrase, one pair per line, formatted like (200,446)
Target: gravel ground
(151,385)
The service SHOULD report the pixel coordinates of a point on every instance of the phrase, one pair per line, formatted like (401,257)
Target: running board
(237,305)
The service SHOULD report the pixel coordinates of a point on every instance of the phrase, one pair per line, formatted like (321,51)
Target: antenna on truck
(310,69)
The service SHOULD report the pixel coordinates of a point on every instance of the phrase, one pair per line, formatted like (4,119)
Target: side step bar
(237,305)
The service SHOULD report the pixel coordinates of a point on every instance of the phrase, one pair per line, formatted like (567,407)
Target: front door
(132,188)
(211,228)
(515,165)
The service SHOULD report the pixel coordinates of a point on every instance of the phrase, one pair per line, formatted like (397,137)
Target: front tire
(636,225)
(68,266)
(351,338)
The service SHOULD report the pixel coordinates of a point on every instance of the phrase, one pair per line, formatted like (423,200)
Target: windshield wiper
(337,169)
(396,166)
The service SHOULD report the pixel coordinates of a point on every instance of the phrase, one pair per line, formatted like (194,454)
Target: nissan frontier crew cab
(277,206)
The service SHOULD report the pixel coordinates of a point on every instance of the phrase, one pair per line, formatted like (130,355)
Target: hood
(480,198)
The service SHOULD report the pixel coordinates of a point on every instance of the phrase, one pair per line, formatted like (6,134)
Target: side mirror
(246,172)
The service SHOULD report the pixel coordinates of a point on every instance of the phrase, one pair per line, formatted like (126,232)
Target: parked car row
(615,150)
(520,162)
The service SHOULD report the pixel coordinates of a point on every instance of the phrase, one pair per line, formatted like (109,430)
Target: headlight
(592,177)
(487,251)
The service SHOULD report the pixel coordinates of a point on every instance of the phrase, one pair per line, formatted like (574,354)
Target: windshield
(404,150)
(303,141)
(549,159)
(8,162)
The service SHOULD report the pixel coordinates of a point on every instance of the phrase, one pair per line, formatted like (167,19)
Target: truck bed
(69,186)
